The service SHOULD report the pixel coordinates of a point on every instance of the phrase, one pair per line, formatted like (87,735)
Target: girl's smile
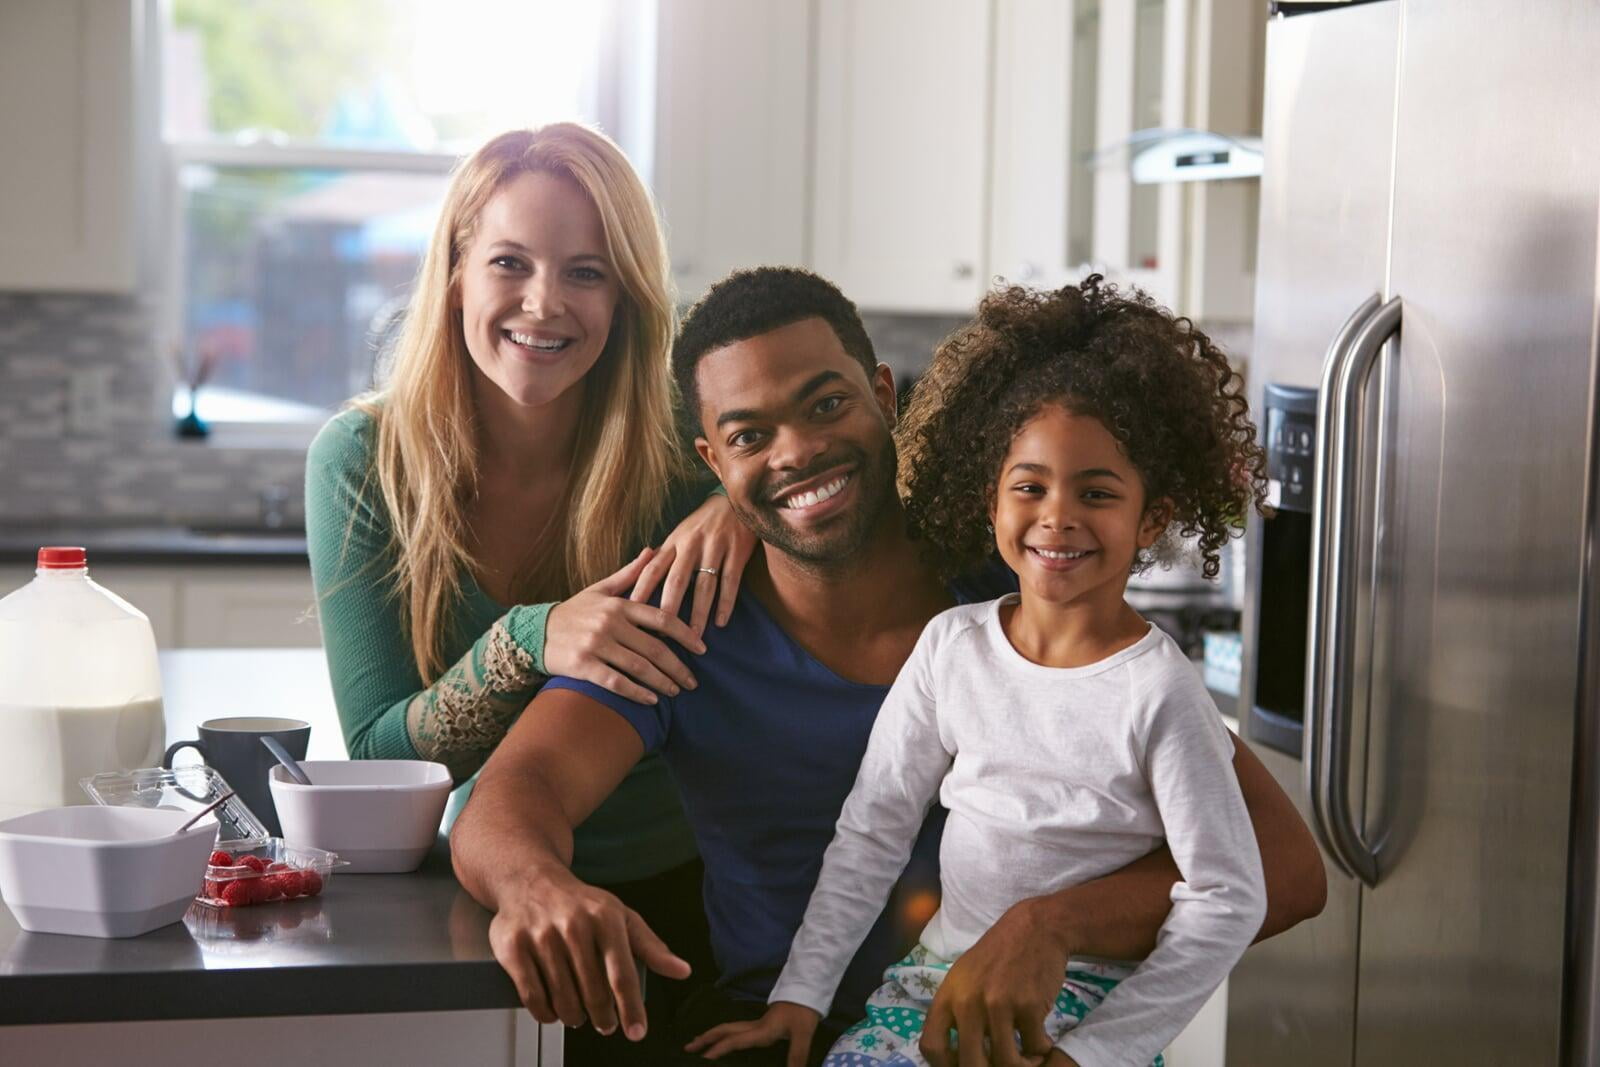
(1069,518)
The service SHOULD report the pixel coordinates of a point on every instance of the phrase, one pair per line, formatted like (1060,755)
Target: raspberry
(269,888)
(291,883)
(238,893)
(211,889)
(278,868)
(255,863)
(220,858)
(313,882)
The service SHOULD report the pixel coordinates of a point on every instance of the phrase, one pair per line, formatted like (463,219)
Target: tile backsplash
(130,468)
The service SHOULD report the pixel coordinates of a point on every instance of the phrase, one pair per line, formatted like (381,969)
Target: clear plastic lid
(188,788)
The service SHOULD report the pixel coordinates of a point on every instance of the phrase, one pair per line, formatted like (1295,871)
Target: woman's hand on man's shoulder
(600,636)
(707,552)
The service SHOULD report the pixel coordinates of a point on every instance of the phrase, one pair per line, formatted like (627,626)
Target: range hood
(1189,156)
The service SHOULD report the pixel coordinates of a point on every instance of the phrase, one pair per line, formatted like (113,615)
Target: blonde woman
(471,525)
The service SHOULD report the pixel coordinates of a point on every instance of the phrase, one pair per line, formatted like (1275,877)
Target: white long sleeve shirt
(1052,777)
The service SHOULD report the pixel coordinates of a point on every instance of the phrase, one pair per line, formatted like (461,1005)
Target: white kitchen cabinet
(497,1037)
(1041,217)
(256,606)
(732,136)
(1073,81)
(67,120)
(150,589)
(1229,56)
(248,607)
(902,111)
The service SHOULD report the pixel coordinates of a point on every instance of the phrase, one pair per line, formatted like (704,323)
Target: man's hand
(783,1021)
(1002,986)
(570,949)
(1060,1059)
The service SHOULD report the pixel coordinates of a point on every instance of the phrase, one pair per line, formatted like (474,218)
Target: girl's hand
(600,637)
(794,1023)
(708,548)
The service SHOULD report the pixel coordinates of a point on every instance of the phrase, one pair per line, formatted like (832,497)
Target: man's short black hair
(749,303)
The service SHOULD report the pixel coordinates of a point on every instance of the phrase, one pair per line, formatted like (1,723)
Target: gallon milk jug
(80,686)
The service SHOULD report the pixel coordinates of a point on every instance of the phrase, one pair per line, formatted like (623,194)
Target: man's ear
(1157,517)
(703,449)
(883,392)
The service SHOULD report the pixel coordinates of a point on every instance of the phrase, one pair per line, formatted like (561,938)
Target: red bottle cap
(59,558)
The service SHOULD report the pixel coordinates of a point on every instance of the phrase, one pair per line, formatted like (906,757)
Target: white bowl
(382,815)
(102,872)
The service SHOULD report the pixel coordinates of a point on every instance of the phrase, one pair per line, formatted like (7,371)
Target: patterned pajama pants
(888,1036)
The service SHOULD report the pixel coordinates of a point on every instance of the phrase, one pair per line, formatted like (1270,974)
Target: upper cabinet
(1081,87)
(67,118)
(901,156)
(913,151)
(732,135)
(1042,214)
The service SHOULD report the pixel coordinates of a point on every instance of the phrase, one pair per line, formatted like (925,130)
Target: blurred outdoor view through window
(311,144)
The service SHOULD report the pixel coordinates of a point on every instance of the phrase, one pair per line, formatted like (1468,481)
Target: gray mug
(233,747)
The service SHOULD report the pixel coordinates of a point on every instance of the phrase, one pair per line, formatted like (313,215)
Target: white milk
(48,750)
(80,686)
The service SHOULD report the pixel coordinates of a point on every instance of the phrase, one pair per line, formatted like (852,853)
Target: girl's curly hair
(1163,390)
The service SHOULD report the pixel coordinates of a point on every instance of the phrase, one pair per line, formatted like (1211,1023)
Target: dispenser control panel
(1291,442)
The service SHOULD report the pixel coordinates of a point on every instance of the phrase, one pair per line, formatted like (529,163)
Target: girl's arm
(1217,908)
(905,762)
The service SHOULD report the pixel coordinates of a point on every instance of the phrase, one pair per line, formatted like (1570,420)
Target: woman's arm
(385,710)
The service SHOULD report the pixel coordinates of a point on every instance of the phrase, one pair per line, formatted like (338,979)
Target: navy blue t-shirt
(765,751)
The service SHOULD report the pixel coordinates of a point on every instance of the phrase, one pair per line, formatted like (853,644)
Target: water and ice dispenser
(1283,583)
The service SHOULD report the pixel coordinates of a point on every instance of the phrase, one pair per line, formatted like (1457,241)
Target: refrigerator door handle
(1313,740)
(1333,591)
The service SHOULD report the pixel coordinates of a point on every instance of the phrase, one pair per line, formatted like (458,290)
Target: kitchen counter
(369,943)
(158,544)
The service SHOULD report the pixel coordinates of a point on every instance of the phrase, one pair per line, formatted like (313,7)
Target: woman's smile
(537,290)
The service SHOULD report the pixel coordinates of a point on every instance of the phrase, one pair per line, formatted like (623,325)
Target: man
(795,417)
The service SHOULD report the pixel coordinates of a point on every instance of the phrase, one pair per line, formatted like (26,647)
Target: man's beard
(843,537)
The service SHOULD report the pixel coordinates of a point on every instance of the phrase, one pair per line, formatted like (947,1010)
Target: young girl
(1065,734)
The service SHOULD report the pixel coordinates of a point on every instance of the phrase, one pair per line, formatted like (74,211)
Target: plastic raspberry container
(268,886)
(239,833)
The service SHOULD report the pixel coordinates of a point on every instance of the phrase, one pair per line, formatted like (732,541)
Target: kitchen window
(306,150)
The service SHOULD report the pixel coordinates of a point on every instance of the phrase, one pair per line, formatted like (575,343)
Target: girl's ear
(1154,522)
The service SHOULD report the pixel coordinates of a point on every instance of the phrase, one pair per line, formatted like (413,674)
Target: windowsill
(237,419)
(283,436)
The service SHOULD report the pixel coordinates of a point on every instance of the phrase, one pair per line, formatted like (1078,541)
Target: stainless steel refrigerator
(1420,629)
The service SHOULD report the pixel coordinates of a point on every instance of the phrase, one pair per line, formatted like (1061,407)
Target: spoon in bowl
(288,761)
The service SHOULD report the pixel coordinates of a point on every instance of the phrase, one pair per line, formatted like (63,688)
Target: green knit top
(497,657)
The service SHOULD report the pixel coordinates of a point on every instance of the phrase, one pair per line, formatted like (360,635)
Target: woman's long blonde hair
(626,452)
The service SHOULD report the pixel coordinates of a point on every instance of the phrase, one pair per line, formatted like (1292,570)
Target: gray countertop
(157,544)
(369,943)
